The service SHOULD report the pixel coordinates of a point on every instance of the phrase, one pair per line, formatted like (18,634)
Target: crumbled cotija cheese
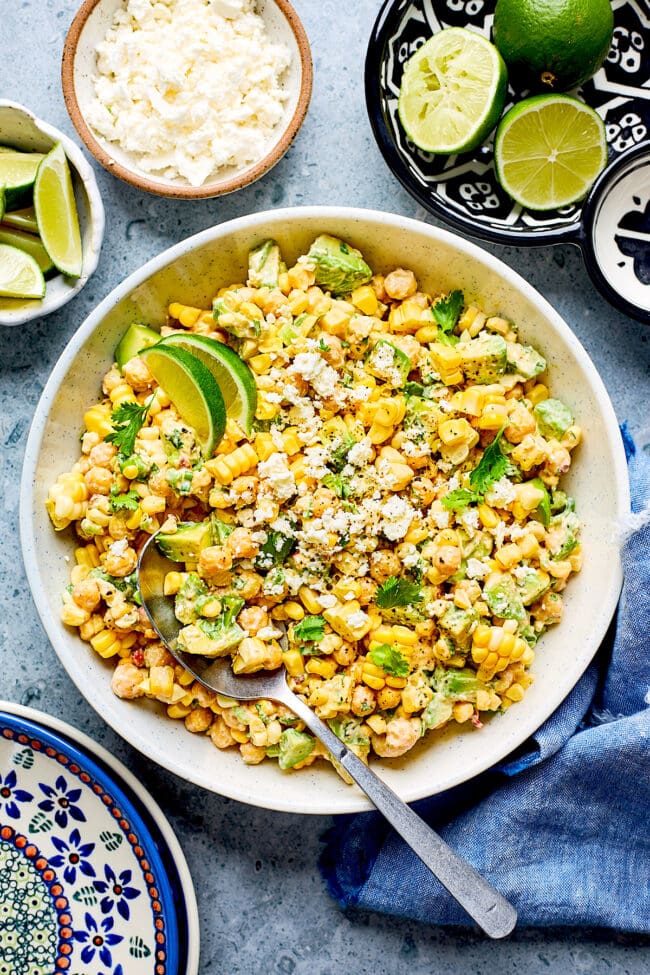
(189,86)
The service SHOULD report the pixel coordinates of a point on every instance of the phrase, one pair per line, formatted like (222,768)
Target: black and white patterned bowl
(463,190)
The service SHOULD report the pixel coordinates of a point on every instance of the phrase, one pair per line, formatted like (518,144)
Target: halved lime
(17,174)
(56,212)
(453,91)
(24,219)
(20,275)
(28,243)
(235,379)
(548,151)
(192,389)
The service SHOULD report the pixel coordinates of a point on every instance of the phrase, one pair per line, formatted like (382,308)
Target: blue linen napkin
(561,828)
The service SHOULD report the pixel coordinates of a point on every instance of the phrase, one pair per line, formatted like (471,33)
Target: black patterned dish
(463,189)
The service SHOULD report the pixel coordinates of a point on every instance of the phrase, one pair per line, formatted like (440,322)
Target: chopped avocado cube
(526,361)
(234,322)
(264,265)
(458,623)
(136,338)
(544,506)
(553,418)
(220,530)
(437,712)
(483,359)
(461,685)
(302,325)
(339,267)
(294,747)
(504,601)
(422,418)
(560,502)
(187,542)
(385,361)
(563,537)
(531,584)
(214,637)
(192,590)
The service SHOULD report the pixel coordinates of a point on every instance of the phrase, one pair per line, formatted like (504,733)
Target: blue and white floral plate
(463,190)
(92,879)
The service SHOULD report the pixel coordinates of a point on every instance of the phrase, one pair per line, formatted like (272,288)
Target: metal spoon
(481,901)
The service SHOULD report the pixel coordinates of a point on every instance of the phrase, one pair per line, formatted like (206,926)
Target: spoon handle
(482,902)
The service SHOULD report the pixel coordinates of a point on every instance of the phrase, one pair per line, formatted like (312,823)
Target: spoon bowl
(484,904)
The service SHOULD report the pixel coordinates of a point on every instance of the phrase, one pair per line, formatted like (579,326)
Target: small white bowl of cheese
(189,99)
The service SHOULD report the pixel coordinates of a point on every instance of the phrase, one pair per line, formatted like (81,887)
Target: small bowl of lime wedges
(51,217)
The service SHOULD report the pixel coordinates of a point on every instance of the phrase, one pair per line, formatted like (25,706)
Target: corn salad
(396,506)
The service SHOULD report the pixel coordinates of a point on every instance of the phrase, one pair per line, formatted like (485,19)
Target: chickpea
(220,733)
(121,563)
(240,545)
(367,591)
(213,559)
(558,461)
(345,655)
(334,354)
(520,423)
(87,595)
(137,375)
(378,286)
(102,454)
(198,720)
(401,735)
(384,564)
(400,284)
(364,700)
(126,680)
(250,584)
(322,500)
(98,480)
(112,379)
(252,754)
(446,560)
(423,490)
(253,619)
(157,655)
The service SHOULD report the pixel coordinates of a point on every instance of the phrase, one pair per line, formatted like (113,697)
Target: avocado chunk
(532,584)
(458,623)
(461,685)
(302,325)
(234,322)
(483,359)
(294,747)
(350,733)
(563,535)
(187,542)
(214,637)
(553,418)
(544,506)
(504,601)
(385,361)
(264,265)
(421,419)
(526,361)
(339,267)
(192,590)
(437,712)
(135,339)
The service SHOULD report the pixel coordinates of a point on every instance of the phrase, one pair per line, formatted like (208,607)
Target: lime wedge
(22,219)
(235,379)
(17,174)
(548,151)
(192,389)
(20,275)
(453,91)
(56,212)
(28,243)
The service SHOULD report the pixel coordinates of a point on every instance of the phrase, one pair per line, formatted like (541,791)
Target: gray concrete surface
(262,902)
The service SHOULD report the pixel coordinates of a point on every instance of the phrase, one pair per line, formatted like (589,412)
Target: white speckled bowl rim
(191,962)
(191,272)
(37,135)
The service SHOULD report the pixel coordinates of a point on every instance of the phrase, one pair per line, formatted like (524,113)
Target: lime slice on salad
(548,151)
(192,389)
(28,243)
(17,175)
(56,212)
(22,219)
(20,275)
(235,379)
(453,91)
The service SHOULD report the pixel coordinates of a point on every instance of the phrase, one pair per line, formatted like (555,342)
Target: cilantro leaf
(456,500)
(124,502)
(311,628)
(390,660)
(446,312)
(493,465)
(276,549)
(339,455)
(338,484)
(128,419)
(398,592)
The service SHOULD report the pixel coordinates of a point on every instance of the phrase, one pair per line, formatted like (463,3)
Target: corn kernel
(323,668)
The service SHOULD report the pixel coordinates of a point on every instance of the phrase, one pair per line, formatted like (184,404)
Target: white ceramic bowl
(21,129)
(191,272)
(78,68)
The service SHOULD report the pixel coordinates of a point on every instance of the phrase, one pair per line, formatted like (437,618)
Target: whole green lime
(554,45)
